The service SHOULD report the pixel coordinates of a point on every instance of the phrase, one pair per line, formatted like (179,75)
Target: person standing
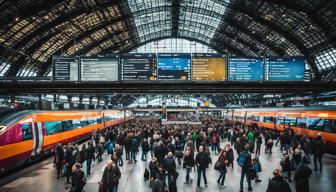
(318,150)
(259,142)
(277,183)
(119,153)
(301,177)
(229,155)
(170,166)
(222,162)
(59,159)
(188,163)
(89,156)
(245,161)
(111,177)
(134,149)
(69,162)
(202,162)
(78,179)
(145,149)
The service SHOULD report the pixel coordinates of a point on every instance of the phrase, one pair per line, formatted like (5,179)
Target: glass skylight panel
(326,60)
(4,68)
(148,18)
(173,45)
(207,18)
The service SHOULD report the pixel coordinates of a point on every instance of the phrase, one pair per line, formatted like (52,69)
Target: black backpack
(146,174)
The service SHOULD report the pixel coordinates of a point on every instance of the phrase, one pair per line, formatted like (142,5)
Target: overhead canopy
(32,31)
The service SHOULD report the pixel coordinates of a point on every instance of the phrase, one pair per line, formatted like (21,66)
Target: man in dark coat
(111,177)
(170,166)
(89,156)
(318,150)
(301,177)
(246,167)
(78,179)
(277,183)
(59,159)
(202,161)
(69,162)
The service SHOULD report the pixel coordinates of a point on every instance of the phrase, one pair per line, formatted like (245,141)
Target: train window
(84,122)
(268,119)
(53,127)
(290,121)
(250,117)
(99,120)
(280,120)
(329,126)
(76,123)
(67,125)
(315,124)
(26,132)
(301,122)
(255,118)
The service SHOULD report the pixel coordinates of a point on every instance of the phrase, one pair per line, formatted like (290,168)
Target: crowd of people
(192,148)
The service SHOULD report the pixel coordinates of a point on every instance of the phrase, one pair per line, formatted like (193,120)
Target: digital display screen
(285,69)
(100,68)
(65,68)
(174,66)
(138,67)
(246,69)
(208,67)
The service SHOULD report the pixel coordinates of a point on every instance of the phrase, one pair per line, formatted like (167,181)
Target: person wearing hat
(301,177)
(277,183)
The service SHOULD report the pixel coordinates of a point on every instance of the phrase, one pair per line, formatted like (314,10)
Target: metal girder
(164,87)
(310,13)
(29,10)
(176,6)
(67,16)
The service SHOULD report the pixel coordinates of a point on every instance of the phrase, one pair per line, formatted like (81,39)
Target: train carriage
(35,133)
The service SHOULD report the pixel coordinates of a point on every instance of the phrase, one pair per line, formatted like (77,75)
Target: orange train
(27,135)
(303,121)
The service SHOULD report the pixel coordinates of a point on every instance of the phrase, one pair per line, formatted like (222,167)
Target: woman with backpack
(220,166)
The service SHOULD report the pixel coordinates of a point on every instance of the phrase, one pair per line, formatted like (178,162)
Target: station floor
(42,177)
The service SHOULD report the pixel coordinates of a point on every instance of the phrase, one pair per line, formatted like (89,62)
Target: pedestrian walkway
(42,177)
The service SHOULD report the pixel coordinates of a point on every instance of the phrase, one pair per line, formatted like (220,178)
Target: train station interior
(167,95)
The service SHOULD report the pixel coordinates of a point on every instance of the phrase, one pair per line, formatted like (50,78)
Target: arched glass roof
(32,31)
(173,45)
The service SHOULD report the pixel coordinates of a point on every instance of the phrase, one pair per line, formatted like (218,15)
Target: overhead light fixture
(16,19)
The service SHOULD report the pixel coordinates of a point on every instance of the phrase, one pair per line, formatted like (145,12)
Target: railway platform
(41,176)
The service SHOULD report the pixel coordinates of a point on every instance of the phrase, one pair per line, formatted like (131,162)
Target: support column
(39,106)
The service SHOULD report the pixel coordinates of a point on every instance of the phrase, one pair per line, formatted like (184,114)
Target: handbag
(218,165)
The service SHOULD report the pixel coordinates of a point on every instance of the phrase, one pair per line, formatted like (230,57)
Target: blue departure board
(285,69)
(174,66)
(246,69)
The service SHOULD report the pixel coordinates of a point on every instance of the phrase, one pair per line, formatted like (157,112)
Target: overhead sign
(100,68)
(246,69)
(138,66)
(65,68)
(174,66)
(285,69)
(208,67)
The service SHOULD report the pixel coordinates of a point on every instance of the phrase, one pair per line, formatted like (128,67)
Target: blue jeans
(243,174)
(88,166)
(113,189)
(200,172)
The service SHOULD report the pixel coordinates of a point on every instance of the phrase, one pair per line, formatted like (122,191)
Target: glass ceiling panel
(201,16)
(173,45)
(151,16)
(326,59)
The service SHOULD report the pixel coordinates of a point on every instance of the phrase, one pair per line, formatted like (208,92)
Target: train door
(38,137)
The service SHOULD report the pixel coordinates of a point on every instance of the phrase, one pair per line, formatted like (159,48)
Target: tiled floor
(42,177)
